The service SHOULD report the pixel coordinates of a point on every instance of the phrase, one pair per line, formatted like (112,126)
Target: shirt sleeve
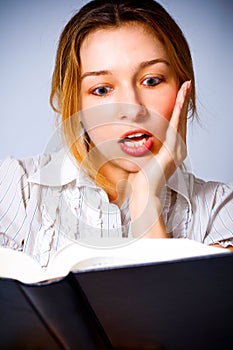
(220,227)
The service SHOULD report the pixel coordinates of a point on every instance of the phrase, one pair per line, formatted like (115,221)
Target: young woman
(124,86)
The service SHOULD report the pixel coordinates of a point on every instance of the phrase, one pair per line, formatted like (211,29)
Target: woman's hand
(147,184)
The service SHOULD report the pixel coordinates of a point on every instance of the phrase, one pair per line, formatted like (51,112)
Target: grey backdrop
(29,34)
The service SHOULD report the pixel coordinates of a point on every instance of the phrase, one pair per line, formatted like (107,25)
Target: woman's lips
(136,143)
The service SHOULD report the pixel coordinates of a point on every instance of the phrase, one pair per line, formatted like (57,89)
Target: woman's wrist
(147,220)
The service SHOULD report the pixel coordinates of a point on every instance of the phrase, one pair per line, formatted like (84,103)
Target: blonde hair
(97,14)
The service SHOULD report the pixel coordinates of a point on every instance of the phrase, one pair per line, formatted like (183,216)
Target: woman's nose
(131,106)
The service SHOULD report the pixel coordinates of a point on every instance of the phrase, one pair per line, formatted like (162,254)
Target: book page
(129,252)
(100,254)
(20,266)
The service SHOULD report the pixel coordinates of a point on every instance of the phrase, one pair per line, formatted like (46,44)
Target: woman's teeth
(135,143)
(135,135)
(135,140)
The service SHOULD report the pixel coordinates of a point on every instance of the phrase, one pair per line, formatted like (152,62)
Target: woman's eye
(101,91)
(152,81)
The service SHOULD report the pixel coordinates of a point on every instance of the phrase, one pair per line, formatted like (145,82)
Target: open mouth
(136,143)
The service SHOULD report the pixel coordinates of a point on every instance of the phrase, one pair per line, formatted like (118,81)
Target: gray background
(28,40)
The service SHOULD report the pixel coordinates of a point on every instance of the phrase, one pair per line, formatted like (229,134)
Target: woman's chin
(130,165)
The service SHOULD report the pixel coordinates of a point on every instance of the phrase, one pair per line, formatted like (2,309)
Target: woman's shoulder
(52,170)
(214,202)
(211,211)
(219,191)
(12,167)
(15,193)
(14,184)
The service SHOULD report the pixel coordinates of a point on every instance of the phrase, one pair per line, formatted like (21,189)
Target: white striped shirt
(46,201)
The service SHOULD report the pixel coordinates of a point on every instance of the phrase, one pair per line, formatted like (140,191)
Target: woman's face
(128,91)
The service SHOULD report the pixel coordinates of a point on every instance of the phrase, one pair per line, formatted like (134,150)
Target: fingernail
(189,85)
(187,88)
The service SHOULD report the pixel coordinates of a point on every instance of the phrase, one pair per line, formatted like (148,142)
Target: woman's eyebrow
(142,65)
(146,64)
(96,73)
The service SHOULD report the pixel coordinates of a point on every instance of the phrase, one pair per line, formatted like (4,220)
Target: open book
(112,253)
(142,294)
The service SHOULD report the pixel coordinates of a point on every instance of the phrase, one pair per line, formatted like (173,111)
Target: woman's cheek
(164,103)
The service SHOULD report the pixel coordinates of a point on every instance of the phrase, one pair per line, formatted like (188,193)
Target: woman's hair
(99,14)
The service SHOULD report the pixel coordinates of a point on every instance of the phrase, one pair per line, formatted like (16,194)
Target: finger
(181,105)
(184,112)
(174,147)
(178,121)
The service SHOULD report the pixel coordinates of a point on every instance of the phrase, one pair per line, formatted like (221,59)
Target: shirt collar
(62,169)
(181,182)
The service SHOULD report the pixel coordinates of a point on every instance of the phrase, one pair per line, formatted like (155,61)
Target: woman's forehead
(136,25)
(128,40)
